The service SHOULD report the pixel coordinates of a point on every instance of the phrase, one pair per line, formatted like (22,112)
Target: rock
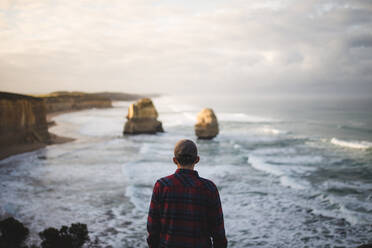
(118,96)
(22,121)
(365,246)
(207,125)
(74,236)
(142,118)
(70,101)
(12,233)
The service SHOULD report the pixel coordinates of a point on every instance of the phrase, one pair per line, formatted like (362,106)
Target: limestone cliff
(68,101)
(118,96)
(22,121)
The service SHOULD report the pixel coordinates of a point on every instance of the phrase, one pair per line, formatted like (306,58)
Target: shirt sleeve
(216,222)
(153,219)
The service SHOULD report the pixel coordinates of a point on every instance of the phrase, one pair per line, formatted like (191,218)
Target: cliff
(23,124)
(118,96)
(69,101)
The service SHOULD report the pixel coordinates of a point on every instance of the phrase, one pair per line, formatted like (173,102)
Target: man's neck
(191,167)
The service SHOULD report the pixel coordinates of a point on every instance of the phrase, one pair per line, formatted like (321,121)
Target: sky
(187,46)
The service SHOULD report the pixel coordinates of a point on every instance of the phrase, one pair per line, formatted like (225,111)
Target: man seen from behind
(185,209)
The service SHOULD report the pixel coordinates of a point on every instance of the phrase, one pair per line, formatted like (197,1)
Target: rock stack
(207,125)
(142,118)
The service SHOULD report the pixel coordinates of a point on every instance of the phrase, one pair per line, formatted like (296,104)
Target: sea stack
(207,125)
(142,118)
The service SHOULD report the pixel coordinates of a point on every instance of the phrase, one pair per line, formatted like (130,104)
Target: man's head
(185,153)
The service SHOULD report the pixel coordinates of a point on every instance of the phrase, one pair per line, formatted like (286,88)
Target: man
(185,209)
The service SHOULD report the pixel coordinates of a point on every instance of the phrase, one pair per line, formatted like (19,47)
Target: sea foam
(241,117)
(270,130)
(288,174)
(352,144)
(261,165)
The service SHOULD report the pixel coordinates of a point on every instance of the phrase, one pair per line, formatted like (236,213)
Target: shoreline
(50,116)
(9,151)
(6,152)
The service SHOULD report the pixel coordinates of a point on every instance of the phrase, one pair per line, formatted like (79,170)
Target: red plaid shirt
(185,212)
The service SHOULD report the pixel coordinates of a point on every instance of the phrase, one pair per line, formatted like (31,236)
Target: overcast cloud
(185,46)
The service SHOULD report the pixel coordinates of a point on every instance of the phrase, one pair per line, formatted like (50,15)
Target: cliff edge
(23,125)
(70,101)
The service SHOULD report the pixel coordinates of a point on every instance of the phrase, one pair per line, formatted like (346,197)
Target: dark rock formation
(67,237)
(365,246)
(207,124)
(22,122)
(142,118)
(69,101)
(12,233)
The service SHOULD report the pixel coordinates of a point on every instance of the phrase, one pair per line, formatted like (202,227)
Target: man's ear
(175,160)
(197,159)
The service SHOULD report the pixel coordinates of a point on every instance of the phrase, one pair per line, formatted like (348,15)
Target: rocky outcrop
(207,124)
(14,233)
(142,118)
(69,101)
(22,121)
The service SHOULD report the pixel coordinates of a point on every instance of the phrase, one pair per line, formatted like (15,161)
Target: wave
(352,144)
(356,128)
(183,108)
(173,119)
(275,151)
(293,159)
(292,183)
(260,164)
(337,207)
(288,175)
(241,117)
(269,130)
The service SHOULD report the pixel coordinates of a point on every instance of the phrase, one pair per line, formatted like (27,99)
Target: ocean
(291,172)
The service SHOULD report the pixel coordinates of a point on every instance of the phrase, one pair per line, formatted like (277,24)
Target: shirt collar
(187,171)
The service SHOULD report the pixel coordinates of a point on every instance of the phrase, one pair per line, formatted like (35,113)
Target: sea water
(291,173)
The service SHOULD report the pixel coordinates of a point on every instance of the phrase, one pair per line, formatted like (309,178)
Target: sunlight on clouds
(147,45)
(269,56)
(5,4)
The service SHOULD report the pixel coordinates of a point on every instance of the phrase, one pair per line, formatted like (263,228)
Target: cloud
(158,46)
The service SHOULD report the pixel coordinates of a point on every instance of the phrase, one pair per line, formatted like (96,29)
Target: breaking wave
(352,144)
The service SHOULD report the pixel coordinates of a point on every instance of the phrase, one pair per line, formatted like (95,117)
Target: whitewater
(285,180)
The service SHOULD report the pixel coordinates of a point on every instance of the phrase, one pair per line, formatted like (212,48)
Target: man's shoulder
(166,181)
(208,184)
(171,180)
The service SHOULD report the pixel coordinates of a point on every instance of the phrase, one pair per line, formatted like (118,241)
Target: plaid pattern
(185,212)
